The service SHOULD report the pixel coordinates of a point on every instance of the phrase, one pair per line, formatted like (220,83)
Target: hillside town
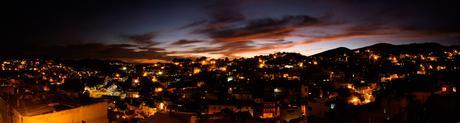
(378,83)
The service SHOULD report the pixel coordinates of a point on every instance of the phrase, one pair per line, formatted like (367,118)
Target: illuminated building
(53,112)
(270,110)
(363,95)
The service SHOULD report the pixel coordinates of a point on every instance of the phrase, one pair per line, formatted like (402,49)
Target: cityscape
(242,61)
(409,83)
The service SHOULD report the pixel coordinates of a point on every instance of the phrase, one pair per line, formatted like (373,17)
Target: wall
(8,114)
(94,113)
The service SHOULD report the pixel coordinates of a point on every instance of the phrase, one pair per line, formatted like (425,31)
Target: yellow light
(441,68)
(154,79)
(349,86)
(158,90)
(162,106)
(393,59)
(375,57)
(261,65)
(145,74)
(196,70)
(136,80)
(354,100)
(223,68)
(46,88)
(204,62)
(136,95)
(285,75)
(444,89)
(267,115)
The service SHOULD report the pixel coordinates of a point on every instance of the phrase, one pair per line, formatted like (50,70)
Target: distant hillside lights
(160,73)
(229,79)
(223,68)
(362,95)
(288,66)
(135,82)
(117,75)
(393,59)
(154,79)
(374,57)
(354,100)
(261,63)
(391,77)
(196,70)
(313,62)
(159,89)
(204,62)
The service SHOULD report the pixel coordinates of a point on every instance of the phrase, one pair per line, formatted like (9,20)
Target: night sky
(150,31)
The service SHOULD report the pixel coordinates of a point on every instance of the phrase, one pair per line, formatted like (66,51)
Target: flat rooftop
(31,104)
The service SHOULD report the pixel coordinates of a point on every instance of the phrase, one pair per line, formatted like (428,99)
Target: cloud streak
(222,28)
(241,39)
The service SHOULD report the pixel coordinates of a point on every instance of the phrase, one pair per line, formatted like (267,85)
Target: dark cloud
(56,21)
(226,47)
(339,37)
(205,50)
(433,31)
(264,28)
(241,39)
(423,16)
(224,12)
(240,48)
(194,24)
(221,14)
(88,28)
(146,38)
(88,51)
(138,46)
(186,42)
(232,49)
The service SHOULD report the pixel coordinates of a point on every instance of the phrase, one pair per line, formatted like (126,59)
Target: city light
(242,61)
(286,86)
